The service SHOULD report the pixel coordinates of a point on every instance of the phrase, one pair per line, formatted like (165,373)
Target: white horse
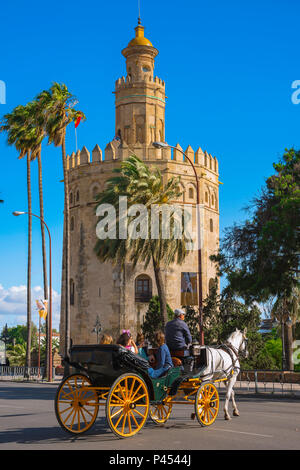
(223,361)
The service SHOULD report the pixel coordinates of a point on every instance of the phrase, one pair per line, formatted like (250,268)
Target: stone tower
(120,297)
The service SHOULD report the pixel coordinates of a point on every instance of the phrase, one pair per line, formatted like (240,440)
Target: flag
(42,306)
(77,121)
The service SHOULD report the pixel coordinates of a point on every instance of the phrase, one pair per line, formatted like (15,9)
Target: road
(28,422)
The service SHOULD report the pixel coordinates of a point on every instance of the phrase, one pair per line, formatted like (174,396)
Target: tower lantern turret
(140,97)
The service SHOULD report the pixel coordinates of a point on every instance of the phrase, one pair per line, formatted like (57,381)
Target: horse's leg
(229,385)
(235,408)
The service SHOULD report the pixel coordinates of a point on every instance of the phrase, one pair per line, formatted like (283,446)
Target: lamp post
(17,213)
(97,328)
(162,145)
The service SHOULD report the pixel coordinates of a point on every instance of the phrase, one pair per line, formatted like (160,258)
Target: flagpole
(76,138)
(39,355)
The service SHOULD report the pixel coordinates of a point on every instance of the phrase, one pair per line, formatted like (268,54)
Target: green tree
(21,134)
(18,355)
(18,335)
(143,185)
(153,319)
(261,256)
(223,314)
(57,105)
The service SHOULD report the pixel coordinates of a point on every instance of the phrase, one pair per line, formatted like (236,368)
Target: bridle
(238,351)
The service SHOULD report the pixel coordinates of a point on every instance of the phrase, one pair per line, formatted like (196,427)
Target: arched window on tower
(77,195)
(95,191)
(71,198)
(211,225)
(191,193)
(143,288)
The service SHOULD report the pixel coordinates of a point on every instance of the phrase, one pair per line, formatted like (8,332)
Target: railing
(17,372)
(275,382)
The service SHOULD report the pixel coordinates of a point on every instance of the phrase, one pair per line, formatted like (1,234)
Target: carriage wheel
(76,407)
(207,404)
(161,413)
(127,405)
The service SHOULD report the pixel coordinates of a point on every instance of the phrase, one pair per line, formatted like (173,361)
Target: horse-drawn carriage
(111,376)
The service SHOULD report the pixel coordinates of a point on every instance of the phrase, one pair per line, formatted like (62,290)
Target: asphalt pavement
(28,422)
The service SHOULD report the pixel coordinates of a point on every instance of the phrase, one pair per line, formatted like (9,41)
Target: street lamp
(17,213)
(161,145)
(97,328)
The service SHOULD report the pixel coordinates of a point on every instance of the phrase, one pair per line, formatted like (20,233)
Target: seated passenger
(127,342)
(178,336)
(140,344)
(164,360)
(106,339)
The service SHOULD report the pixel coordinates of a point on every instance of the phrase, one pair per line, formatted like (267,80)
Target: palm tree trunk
(161,292)
(67,249)
(28,347)
(288,341)
(45,278)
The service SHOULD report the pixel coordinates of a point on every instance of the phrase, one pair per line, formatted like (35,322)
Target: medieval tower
(120,297)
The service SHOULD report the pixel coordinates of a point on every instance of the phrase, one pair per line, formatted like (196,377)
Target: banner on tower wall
(189,295)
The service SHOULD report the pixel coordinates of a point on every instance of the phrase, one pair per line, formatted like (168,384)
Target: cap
(178,312)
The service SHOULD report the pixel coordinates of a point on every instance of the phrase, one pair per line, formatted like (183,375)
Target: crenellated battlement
(123,82)
(117,151)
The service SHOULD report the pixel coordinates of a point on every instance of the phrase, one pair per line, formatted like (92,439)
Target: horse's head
(243,349)
(239,340)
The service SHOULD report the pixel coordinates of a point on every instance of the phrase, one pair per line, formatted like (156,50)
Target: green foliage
(153,320)
(192,320)
(223,314)
(17,356)
(261,256)
(18,335)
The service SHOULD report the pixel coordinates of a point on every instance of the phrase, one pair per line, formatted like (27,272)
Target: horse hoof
(193,415)
(227,417)
(236,413)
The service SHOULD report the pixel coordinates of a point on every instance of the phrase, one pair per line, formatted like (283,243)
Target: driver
(178,335)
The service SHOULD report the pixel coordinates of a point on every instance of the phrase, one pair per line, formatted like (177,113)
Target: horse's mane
(233,335)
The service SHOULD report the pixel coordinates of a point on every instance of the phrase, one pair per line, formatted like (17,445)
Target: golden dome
(140,39)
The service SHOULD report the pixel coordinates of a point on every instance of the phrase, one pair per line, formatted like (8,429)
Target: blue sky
(228,68)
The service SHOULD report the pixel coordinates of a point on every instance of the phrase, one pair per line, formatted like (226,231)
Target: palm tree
(57,105)
(38,124)
(20,133)
(142,185)
(286,311)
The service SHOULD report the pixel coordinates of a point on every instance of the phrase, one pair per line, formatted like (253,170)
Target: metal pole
(50,293)
(200,293)
(39,350)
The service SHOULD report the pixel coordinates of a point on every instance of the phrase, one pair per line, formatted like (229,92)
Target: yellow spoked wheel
(207,404)
(127,405)
(161,413)
(76,406)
